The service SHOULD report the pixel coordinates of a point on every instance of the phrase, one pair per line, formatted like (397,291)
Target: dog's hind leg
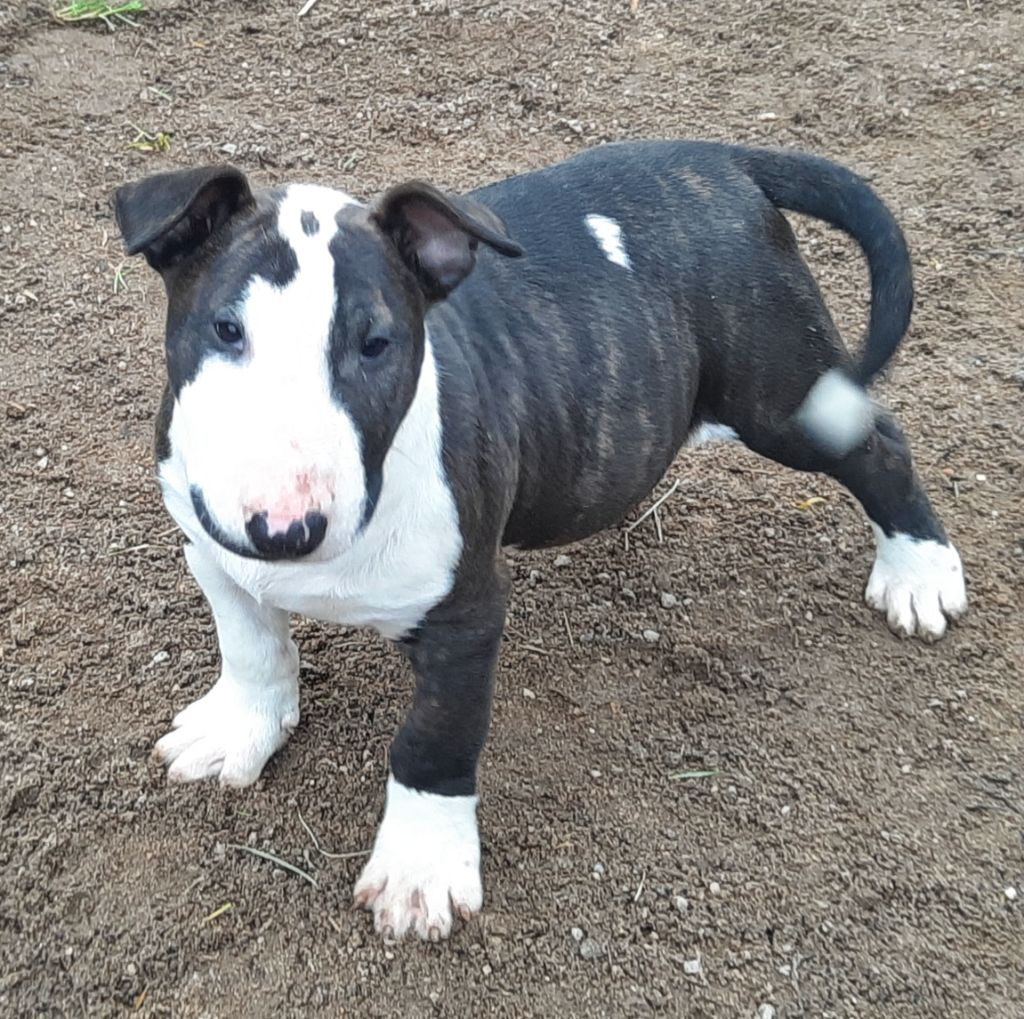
(917,579)
(779,376)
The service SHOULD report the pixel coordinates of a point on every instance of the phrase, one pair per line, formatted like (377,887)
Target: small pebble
(595,772)
(160,656)
(561,560)
(577,933)
(668,601)
(766,1011)
(1010,892)
(692,967)
(715,888)
(598,869)
(590,950)
(652,636)
(529,694)
(980,477)
(681,902)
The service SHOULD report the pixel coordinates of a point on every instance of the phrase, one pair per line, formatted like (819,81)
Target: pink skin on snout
(307,493)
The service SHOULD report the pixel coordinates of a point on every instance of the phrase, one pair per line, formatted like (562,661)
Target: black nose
(300,539)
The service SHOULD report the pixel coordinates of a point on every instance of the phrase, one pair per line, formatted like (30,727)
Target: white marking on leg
(425,863)
(917,583)
(608,235)
(836,413)
(252,709)
(711,431)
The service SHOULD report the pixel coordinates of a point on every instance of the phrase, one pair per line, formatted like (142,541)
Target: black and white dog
(354,426)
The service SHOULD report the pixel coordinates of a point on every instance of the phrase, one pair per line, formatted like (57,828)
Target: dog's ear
(169,216)
(437,234)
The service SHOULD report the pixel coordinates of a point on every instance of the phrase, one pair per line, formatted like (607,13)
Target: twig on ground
(640,890)
(695,774)
(568,629)
(139,548)
(284,864)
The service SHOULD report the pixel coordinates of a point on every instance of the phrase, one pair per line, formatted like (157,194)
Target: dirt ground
(857,851)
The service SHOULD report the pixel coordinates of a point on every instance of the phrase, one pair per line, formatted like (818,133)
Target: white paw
(918,584)
(231,732)
(425,864)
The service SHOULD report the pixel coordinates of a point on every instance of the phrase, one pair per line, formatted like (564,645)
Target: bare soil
(856,850)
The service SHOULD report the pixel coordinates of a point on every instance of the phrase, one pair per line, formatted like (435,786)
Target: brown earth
(857,852)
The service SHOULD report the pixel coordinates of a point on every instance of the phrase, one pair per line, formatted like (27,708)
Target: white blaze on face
(262,433)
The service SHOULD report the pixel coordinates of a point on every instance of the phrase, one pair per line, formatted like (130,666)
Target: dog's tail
(837,412)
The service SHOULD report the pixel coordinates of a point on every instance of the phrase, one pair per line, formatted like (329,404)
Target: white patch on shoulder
(396,569)
(425,864)
(608,235)
(917,583)
(711,431)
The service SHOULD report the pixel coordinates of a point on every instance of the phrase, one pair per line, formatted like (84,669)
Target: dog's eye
(229,332)
(374,347)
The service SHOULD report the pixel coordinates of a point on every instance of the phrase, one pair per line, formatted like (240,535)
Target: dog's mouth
(298,541)
(215,531)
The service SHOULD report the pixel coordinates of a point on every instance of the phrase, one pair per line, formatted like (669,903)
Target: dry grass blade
(323,852)
(219,911)
(651,509)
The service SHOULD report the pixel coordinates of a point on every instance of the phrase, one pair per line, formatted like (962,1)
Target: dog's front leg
(252,709)
(425,863)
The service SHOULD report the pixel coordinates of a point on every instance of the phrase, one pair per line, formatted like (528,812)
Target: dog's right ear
(170,216)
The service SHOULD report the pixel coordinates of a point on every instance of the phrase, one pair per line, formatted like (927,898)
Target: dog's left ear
(437,234)
(170,216)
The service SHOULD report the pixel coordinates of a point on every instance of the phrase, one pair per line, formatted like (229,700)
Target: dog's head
(294,340)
